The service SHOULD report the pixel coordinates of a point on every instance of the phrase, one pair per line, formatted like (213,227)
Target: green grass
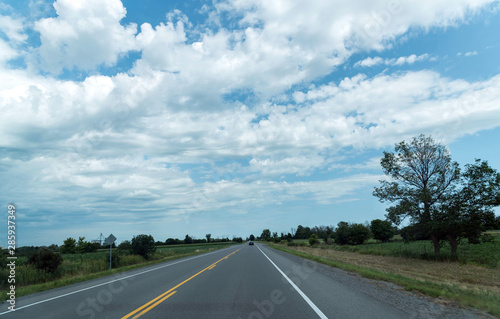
(81,267)
(483,254)
(479,299)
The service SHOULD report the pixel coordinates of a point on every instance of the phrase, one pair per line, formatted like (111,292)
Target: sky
(228,116)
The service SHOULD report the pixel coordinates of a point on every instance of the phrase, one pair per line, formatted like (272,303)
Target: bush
(313,240)
(143,245)
(46,260)
(358,234)
(382,230)
(487,238)
(352,234)
(115,260)
(125,245)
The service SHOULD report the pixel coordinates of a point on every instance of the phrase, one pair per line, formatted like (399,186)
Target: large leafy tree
(469,210)
(422,176)
(427,187)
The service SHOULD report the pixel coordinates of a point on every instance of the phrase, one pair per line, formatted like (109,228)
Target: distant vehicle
(250,242)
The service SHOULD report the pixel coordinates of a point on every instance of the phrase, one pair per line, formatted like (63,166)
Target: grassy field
(81,267)
(484,254)
(472,281)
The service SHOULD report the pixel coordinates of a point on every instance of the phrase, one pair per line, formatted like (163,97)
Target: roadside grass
(472,283)
(77,268)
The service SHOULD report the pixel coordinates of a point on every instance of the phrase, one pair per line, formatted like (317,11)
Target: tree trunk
(435,242)
(453,243)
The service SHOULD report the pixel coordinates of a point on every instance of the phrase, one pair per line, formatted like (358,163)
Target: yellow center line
(154,305)
(156,301)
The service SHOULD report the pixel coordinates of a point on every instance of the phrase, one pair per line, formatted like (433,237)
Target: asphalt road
(238,282)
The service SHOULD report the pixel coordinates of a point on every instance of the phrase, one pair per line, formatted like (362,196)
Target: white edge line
(108,282)
(303,295)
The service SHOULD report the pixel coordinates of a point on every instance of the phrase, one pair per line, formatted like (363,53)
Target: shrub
(341,234)
(487,238)
(382,230)
(313,240)
(358,234)
(352,234)
(115,260)
(46,260)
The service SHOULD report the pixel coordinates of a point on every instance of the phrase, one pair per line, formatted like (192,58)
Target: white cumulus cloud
(84,35)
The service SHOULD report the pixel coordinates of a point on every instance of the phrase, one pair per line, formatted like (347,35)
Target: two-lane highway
(238,282)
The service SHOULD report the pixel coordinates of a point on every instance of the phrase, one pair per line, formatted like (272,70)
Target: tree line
(344,234)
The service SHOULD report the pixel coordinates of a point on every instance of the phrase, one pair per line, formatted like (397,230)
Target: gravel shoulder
(415,304)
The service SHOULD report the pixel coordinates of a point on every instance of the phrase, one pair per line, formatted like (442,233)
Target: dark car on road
(250,242)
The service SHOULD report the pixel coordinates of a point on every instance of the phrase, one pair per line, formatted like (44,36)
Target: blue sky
(227,117)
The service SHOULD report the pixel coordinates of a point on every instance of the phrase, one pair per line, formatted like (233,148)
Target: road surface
(238,282)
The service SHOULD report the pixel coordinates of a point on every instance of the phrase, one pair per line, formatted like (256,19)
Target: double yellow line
(167,294)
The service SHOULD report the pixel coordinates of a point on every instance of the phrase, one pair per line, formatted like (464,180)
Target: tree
(69,246)
(81,246)
(172,241)
(125,245)
(237,239)
(422,174)
(350,234)
(266,235)
(252,237)
(413,233)
(143,245)
(208,236)
(382,230)
(302,232)
(188,239)
(46,260)
(341,234)
(469,210)
(358,234)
